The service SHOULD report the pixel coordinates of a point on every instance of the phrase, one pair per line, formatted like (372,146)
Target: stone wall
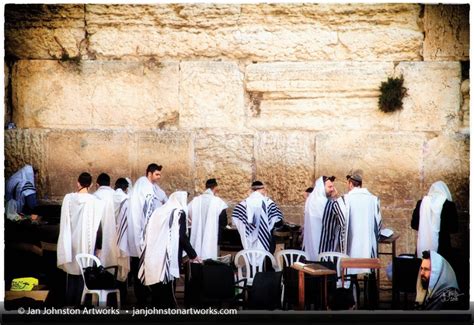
(280,93)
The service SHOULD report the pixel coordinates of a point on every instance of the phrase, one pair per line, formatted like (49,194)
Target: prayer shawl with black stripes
(204,212)
(334,227)
(313,219)
(80,218)
(442,289)
(110,253)
(19,186)
(121,205)
(159,257)
(255,218)
(364,225)
(143,201)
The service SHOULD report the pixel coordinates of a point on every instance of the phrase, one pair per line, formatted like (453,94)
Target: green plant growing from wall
(391,95)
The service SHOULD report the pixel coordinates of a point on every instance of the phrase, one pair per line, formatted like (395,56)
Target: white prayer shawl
(20,185)
(255,218)
(364,225)
(313,216)
(442,277)
(430,217)
(204,212)
(80,218)
(159,259)
(143,201)
(110,252)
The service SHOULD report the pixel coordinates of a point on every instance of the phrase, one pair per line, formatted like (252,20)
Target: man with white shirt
(79,232)
(208,217)
(145,197)
(365,222)
(110,254)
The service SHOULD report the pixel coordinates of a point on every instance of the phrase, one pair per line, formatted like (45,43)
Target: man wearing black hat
(255,218)
(208,217)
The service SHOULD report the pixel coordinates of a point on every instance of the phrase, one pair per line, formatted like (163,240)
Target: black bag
(97,277)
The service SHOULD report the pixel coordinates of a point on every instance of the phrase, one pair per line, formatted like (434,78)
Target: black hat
(211,182)
(257,185)
(309,189)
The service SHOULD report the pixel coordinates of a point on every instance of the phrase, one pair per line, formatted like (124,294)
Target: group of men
(142,231)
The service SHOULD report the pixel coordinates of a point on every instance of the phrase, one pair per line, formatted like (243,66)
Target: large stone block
(447,159)
(172,150)
(229,159)
(446,32)
(285,164)
(95,94)
(391,163)
(44,31)
(433,96)
(211,95)
(27,147)
(70,153)
(256,31)
(317,95)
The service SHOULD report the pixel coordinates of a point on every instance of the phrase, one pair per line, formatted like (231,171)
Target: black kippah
(211,182)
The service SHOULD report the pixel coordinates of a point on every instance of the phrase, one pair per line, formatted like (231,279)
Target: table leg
(301,292)
(325,293)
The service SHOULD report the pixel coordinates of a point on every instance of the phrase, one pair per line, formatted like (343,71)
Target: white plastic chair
(334,257)
(85,260)
(287,257)
(254,261)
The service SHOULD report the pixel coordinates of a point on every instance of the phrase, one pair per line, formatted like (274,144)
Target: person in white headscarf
(437,286)
(110,254)
(207,213)
(20,194)
(255,218)
(79,232)
(435,217)
(145,198)
(313,215)
(164,241)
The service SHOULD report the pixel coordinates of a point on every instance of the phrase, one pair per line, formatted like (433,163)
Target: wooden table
(361,263)
(392,240)
(313,270)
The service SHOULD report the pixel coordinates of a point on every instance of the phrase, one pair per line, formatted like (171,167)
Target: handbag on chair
(97,277)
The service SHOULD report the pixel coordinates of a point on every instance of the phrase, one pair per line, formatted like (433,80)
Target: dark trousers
(74,288)
(142,292)
(162,295)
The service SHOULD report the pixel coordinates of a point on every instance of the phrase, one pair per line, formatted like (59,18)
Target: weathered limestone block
(255,32)
(172,150)
(44,31)
(285,164)
(437,111)
(95,94)
(293,213)
(24,147)
(211,95)
(465,111)
(447,32)
(391,163)
(6,84)
(447,159)
(399,220)
(229,159)
(69,153)
(315,95)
